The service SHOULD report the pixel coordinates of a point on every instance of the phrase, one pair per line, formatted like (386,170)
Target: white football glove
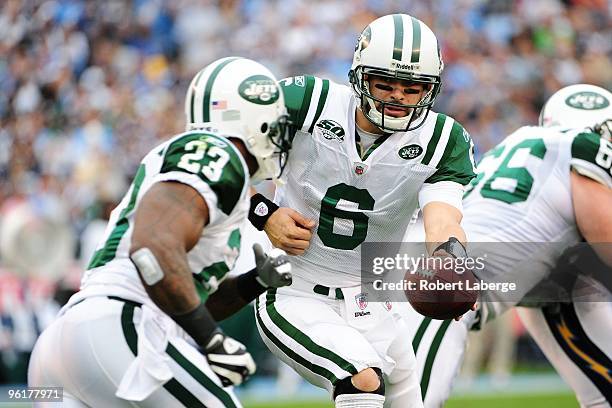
(229,359)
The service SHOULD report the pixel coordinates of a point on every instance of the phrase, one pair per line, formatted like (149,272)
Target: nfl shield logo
(361,300)
(360,168)
(388,305)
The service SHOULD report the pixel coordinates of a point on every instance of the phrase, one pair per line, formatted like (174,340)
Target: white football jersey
(522,195)
(210,164)
(355,196)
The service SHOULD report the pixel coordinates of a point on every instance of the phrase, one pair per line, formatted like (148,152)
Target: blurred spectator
(87,87)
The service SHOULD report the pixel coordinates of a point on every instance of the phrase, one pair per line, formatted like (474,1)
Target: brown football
(431,296)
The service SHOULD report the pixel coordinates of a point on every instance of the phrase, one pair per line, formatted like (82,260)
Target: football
(442,292)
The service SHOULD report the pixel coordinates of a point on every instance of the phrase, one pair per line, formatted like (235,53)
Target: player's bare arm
(592,202)
(168,222)
(271,270)
(441,221)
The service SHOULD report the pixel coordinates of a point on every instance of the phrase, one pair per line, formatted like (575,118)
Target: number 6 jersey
(355,196)
(211,165)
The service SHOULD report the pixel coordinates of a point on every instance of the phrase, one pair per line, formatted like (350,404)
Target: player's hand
(274,269)
(229,359)
(459,317)
(289,230)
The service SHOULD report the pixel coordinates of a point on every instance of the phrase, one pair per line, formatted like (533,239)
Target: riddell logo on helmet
(259,89)
(587,101)
(399,65)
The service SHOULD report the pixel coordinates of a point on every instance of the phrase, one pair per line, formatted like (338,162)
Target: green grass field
(509,401)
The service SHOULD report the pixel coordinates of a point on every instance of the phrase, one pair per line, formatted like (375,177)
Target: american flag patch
(219,104)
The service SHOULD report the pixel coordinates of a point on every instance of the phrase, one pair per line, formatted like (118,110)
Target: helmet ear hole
(264,127)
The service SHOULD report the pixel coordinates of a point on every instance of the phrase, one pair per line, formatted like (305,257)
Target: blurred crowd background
(88,87)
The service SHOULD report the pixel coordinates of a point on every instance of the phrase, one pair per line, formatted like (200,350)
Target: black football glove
(229,359)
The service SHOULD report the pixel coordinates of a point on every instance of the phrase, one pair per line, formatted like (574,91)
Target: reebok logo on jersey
(587,101)
(410,152)
(331,130)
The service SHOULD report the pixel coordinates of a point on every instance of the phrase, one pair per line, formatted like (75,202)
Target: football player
(364,158)
(142,330)
(540,192)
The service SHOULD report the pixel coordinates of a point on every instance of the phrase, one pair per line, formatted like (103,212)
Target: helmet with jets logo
(397,46)
(579,106)
(241,98)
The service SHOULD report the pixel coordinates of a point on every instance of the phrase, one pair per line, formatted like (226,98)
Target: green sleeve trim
(320,105)
(435,138)
(107,253)
(456,163)
(202,154)
(298,93)
(592,157)
(586,146)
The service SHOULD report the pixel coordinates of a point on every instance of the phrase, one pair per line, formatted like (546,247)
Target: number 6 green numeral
(329,212)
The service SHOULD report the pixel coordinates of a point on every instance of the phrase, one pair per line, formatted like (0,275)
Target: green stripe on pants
(300,337)
(431,356)
(419,334)
(322,371)
(172,386)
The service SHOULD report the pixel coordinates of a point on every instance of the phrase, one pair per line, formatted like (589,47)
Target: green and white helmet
(397,46)
(579,106)
(241,98)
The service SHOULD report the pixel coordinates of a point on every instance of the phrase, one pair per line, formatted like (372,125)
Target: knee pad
(345,386)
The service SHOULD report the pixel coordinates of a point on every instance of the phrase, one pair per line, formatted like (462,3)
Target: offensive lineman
(142,330)
(366,158)
(547,184)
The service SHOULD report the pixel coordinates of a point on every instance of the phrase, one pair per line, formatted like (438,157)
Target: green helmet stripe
(193,92)
(416,40)
(208,88)
(398,45)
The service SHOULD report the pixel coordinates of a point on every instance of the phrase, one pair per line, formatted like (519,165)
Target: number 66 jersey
(519,211)
(357,196)
(210,164)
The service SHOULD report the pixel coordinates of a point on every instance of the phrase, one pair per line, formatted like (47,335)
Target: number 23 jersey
(211,165)
(353,196)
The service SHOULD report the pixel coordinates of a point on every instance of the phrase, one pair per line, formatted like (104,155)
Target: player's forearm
(226,301)
(175,292)
(441,222)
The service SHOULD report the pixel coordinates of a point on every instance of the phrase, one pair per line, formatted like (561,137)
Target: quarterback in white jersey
(364,158)
(540,192)
(142,330)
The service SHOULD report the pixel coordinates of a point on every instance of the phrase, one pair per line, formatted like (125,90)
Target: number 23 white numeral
(190,161)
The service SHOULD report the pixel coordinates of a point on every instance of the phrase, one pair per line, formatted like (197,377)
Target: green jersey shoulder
(451,150)
(592,157)
(213,160)
(305,98)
